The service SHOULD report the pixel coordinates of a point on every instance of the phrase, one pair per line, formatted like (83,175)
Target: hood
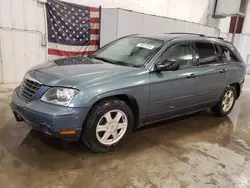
(73,71)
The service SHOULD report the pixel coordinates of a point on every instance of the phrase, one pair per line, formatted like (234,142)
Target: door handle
(191,76)
(223,70)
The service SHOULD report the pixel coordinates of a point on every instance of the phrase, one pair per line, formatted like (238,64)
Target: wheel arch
(128,99)
(237,87)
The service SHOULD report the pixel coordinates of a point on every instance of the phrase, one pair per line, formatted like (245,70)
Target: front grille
(29,89)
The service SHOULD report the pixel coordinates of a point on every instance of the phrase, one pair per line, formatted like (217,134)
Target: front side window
(206,52)
(182,53)
(130,51)
(228,55)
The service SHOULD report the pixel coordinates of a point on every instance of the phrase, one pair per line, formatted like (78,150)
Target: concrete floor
(195,151)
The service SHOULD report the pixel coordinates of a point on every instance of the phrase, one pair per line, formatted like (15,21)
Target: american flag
(72,29)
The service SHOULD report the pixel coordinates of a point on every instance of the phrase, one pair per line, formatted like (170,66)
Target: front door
(211,75)
(171,92)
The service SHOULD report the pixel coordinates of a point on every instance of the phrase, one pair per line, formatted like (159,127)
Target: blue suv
(131,82)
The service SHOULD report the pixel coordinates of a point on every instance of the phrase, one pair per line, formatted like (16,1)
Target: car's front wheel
(226,103)
(107,124)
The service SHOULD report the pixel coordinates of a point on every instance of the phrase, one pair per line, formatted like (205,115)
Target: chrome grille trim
(29,87)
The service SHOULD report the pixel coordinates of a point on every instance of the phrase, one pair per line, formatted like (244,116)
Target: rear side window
(228,55)
(207,53)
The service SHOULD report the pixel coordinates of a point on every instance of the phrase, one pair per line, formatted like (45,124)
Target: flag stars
(69,25)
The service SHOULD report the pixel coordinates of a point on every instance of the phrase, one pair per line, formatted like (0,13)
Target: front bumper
(49,118)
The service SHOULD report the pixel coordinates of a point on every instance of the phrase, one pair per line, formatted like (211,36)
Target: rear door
(211,74)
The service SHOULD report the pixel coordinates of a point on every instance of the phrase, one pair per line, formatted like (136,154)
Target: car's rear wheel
(226,103)
(107,124)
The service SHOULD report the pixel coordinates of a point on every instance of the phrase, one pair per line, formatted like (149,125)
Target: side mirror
(167,65)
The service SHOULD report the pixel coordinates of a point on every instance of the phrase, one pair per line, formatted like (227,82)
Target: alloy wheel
(111,127)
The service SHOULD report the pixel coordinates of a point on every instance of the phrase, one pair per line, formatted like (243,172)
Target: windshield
(130,51)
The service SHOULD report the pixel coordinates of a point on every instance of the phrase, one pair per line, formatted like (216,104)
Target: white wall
(224,24)
(246,27)
(117,23)
(22,32)
(189,10)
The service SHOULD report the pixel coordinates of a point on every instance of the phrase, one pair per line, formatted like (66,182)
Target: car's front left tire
(107,124)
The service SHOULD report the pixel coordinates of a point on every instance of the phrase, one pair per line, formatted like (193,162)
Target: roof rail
(215,37)
(201,35)
(131,35)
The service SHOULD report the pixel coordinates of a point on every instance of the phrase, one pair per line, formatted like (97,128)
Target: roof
(183,36)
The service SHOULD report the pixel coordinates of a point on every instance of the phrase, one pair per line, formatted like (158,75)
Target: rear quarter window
(228,55)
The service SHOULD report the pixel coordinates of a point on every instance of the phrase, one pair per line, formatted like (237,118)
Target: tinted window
(181,53)
(206,52)
(228,55)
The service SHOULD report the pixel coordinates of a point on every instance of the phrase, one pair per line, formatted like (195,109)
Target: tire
(225,104)
(103,120)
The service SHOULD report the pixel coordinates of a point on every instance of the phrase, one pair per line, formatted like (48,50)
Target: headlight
(61,96)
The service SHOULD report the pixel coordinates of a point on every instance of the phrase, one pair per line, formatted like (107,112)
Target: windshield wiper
(112,61)
(105,59)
